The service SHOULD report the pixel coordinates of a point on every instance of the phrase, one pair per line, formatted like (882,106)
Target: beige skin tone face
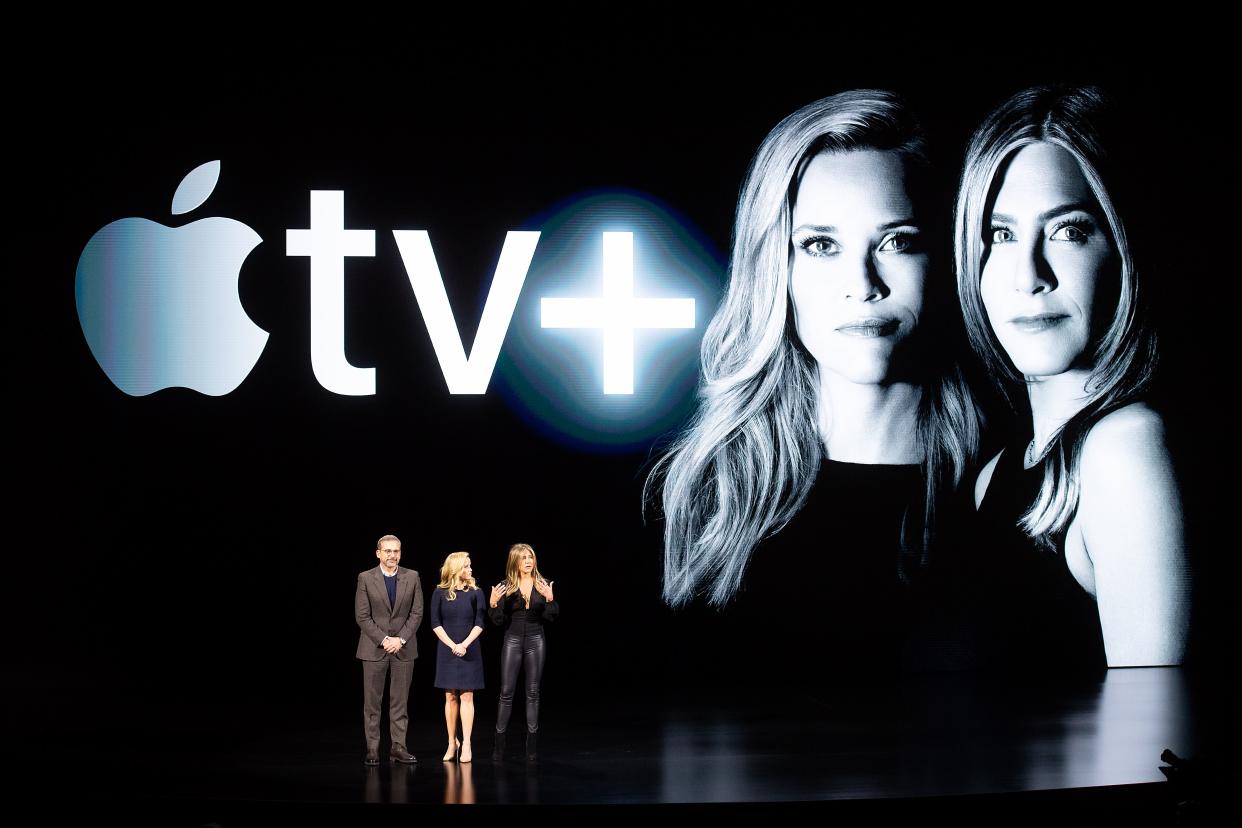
(857,277)
(858,267)
(1048,248)
(389,554)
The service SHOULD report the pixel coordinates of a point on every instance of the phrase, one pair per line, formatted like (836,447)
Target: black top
(512,614)
(823,601)
(831,576)
(1030,613)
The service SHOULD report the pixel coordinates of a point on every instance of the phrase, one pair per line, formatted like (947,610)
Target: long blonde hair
(1074,119)
(450,575)
(747,462)
(512,575)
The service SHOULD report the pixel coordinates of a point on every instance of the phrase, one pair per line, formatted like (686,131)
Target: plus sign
(618,313)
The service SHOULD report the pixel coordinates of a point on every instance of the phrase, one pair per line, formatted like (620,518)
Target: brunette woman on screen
(1086,564)
(830,389)
(521,604)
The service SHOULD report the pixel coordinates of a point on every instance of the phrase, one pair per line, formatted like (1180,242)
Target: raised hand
(545,589)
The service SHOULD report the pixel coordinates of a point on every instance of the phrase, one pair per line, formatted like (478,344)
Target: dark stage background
(184,565)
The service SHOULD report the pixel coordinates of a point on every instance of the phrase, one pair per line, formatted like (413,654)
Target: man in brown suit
(389,607)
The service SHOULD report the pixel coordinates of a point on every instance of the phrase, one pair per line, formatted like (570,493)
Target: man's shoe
(400,754)
(372,758)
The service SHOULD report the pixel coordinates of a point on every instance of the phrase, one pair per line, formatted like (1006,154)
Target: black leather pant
(518,652)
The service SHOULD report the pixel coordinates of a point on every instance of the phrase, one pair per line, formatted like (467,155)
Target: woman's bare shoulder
(1128,483)
(1124,442)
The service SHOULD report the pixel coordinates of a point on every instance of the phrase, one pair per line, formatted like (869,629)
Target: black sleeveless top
(822,600)
(1029,611)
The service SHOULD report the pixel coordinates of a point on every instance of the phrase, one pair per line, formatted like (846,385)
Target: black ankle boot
(532,746)
(498,746)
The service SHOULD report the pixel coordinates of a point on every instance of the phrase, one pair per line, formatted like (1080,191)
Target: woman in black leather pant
(522,604)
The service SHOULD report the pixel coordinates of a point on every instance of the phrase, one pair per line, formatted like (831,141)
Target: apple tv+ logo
(159,305)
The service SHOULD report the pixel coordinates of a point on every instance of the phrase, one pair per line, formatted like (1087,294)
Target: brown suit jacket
(377,619)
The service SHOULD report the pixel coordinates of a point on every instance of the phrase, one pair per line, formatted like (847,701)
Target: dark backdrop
(184,566)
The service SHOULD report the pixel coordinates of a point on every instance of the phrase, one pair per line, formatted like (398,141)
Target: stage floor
(1009,747)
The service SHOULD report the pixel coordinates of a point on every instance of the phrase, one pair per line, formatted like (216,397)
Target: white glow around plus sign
(617,313)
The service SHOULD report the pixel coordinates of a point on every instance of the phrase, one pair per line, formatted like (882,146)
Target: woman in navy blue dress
(457,620)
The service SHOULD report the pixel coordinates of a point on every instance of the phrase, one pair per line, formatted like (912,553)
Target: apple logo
(159,305)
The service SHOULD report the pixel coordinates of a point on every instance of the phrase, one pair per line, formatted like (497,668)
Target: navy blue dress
(458,617)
